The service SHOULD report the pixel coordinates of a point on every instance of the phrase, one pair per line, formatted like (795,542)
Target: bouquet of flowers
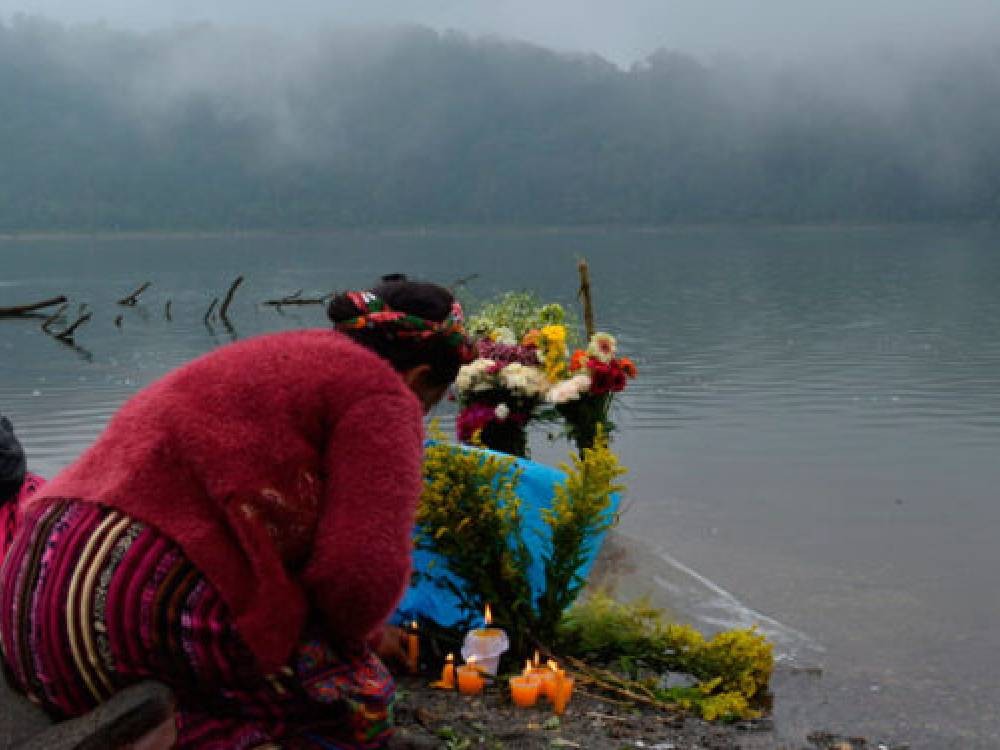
(583,398)
(518,356)
(524,372)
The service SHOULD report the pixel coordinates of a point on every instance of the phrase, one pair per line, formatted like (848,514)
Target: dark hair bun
(425,300)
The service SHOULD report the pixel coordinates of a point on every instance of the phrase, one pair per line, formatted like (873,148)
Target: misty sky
(624,30)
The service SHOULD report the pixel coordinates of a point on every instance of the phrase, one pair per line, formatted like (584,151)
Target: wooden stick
(588,303)
(67,335)
(13,312)
(605,699)
(224,310)
(166,309)
(606,681)
(133,298)
(211,308)
(608,717)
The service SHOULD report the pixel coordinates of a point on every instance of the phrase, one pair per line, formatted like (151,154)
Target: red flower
(602,377)
(628,367)
(618,380)
(578,360)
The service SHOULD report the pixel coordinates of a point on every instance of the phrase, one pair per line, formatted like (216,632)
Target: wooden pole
(588,303)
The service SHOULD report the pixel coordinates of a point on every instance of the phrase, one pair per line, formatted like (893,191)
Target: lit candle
(447,681)
(486,644)
(489,632)
(554,686)
(413,647)
(470,679)
(563,694)
(547,682)
(448,672)
(545,675)
(524,691)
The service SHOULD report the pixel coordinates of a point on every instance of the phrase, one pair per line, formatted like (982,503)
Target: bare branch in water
(57,315)
(224,310)
(67,335)
(132,299)
(211,309)
(296,298)
(20,310)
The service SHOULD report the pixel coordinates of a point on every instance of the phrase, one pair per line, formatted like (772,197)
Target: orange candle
(554,667)
(470,679)
(547,676)
(563,695)
(524,691)
(413,647)
(546,682)
(560,676)
(448,673)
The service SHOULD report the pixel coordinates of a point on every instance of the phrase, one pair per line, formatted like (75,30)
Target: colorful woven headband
(373,312)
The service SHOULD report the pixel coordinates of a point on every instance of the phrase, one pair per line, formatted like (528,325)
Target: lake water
(815,427)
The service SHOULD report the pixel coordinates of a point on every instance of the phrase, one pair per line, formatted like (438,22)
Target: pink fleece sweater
(287,467)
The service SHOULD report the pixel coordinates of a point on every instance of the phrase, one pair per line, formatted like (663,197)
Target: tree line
(209,128)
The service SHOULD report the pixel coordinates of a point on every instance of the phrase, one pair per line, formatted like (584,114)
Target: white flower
(568,390)
(529,381)
(476,377)
(603,347)
(503,335)
(502,412)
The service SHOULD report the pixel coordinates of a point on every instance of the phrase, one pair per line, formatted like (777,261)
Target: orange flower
(628,367)
(578,360)
(532,338)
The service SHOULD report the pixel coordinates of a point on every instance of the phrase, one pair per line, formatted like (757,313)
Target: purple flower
(506,354)
(472,419)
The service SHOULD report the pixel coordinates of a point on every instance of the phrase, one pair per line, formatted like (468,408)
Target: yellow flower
(554,333)
(554,352)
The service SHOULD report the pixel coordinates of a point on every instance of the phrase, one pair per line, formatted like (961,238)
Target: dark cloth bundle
(12,461)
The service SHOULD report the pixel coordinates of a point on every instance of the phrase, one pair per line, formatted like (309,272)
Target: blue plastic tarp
(427,601)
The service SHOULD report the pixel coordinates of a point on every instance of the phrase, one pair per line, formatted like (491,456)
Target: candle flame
(415,625)
(538,659)
(527,666)
(489,615)
(451,657)
(551,664)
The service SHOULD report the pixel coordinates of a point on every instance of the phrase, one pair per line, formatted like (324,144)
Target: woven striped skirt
(92,601)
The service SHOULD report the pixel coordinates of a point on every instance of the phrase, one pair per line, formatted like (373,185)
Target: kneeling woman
(241,531)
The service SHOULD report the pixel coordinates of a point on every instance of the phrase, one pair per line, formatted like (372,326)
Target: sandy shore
(431,718)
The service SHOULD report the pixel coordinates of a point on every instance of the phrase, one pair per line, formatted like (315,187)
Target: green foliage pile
(733,667)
